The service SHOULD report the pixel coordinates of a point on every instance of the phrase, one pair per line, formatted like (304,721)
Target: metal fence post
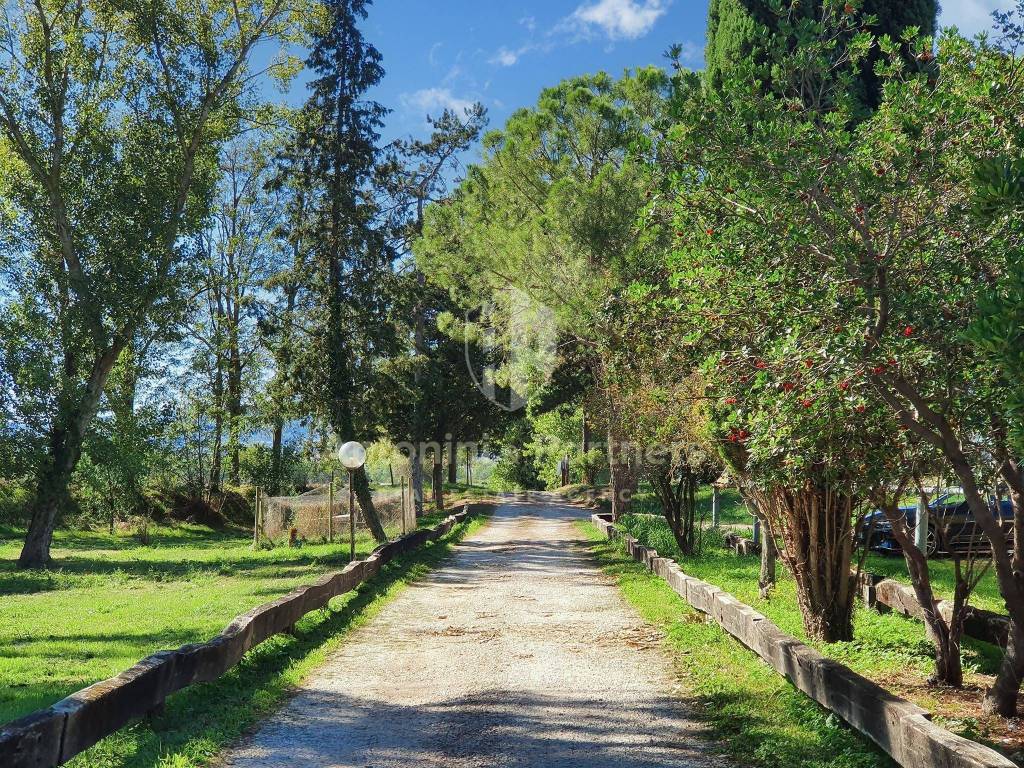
(351,517)
(330,510)
(404,531)
(716,506)
(256,521)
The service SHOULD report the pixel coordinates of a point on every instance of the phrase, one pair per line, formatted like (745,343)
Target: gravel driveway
(518,651)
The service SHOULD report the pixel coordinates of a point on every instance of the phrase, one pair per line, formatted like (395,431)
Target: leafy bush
(14,502)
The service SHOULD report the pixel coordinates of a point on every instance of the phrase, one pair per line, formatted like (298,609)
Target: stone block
(899,598)
(700,594)
(922,744)
(678,581)
(102,708)
(648,556)
(32,741)
(660,566)
(371,567)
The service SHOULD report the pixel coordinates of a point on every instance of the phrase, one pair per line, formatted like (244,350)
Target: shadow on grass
(203,719)
(68,572)
(197,537)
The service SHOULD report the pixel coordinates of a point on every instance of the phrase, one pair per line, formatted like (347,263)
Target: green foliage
(814,317)
(998,330)
(515,469)
(556,434)
(112,119)
(760,32)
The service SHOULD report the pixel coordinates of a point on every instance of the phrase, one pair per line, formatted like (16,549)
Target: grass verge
(108,600)
(202,720)
(759,717)
(889,649)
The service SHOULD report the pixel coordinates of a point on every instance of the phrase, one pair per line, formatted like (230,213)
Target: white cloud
(504,57)
(692,53)
(508,57)
(434,101)
(530,22)
(972,16)
(432,56)
(618,19)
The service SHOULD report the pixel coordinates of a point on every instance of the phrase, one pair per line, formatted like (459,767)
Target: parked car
(951,526)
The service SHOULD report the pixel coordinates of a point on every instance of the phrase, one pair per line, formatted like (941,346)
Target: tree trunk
(1001,698)
(416,480)
(815,525)
(65,450)
(51,494)
(419,346)
(623,478)
(218,429)
(277,457)
(678,502)
(945,636)
(437,479)
(453,461)
(1009,568)
(587,440)
(769,554)
(234,408)
(364,496)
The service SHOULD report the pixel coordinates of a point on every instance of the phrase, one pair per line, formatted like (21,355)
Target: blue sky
(440,53)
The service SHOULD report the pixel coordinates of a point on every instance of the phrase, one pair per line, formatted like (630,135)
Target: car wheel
(931,546)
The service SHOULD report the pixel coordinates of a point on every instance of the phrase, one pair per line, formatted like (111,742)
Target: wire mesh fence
(322,513)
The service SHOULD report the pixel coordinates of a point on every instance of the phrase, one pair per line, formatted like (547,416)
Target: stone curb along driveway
(901,728)
(517,651)
(52,736)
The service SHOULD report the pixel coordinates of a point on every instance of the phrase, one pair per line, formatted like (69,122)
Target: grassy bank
(890,649)
(108,601)
(760,719)
(203,720)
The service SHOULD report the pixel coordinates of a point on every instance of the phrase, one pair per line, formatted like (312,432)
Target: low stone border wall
(889,594)
(54,735)
(899,727)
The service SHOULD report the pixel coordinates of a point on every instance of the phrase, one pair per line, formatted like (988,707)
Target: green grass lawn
(732,510)
(109,601)
(758,716)
(942,575)
(734,513)
(888,648)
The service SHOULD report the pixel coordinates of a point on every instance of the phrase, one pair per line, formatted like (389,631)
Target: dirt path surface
(516,652)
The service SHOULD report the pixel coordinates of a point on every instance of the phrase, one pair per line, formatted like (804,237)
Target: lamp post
(352,456)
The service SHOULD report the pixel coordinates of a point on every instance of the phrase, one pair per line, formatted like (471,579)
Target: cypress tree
(335,157)
(737,28)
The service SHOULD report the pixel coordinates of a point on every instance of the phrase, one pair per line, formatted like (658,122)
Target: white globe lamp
(352,455)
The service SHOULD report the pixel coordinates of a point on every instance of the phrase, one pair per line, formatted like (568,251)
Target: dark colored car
(951,526)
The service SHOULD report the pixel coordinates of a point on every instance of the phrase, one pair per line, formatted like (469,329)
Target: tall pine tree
(737,31)
(336,155)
